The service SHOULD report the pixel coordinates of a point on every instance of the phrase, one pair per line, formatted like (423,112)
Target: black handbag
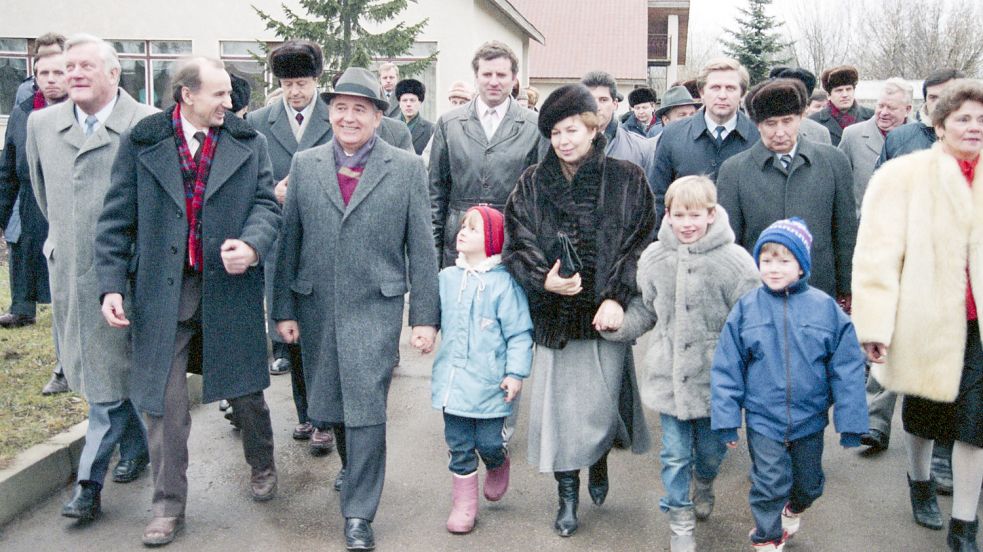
(570,262)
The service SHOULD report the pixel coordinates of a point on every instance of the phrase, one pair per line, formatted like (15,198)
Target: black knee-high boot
(597,480)
(568,489)
(339,439)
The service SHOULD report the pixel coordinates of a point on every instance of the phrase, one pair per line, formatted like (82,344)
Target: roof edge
(516,16)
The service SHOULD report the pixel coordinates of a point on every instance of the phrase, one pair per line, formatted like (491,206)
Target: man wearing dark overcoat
(479,150)
(842,109)
(188,218)
(410,94)
(70,150)
(356,219)
(784,176)
(298,122)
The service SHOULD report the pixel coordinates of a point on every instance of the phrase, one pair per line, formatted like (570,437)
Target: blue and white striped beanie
(793,234)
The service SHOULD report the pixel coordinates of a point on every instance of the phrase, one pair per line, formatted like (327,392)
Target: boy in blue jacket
(786,354)
(485,353)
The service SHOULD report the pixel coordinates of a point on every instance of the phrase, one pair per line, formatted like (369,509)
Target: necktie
(90,124)
(719,131)
(489,123)
(300,118)
(786,160)
(200,137)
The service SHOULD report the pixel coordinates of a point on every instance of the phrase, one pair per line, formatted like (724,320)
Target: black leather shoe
(57,384)
(11,320)
(876,440)
(130,470)
(962,535)
(925,504)
(597,481)
(280,366)
(340,480)
(568,489)
(358,534)
(85,503)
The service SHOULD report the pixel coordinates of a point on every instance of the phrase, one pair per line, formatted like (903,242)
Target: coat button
(170,281)
(686,346)
(687,308)
(173,250)
(178,214)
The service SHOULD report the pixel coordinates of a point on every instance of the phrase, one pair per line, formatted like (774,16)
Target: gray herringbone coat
(341,273)
(70,174)
(862,144)
(687,292)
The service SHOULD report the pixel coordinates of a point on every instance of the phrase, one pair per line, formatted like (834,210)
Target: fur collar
(484,266)
(157,128)
(718,234)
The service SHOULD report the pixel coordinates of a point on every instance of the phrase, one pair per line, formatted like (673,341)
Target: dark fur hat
(240,92)
(295,59)
(804,75)
(641,95)
(844,75)
(776,98)
(565,101)
(410,86)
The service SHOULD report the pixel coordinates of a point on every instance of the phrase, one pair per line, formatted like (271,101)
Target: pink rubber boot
(464,508)
(497,482)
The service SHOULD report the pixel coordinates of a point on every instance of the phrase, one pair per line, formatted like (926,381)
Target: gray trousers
(110,424)
(363,455)
(167,435)
(880,406)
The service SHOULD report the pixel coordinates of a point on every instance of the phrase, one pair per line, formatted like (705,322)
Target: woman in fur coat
(917,282)
(584,396)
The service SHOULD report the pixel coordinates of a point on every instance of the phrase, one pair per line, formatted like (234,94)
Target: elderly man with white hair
(862,142)
(70,150)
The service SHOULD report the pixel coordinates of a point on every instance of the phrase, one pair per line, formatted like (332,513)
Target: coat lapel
(229,156)
(317,127)
(510,125)
(118,121)
(472,126)
(68,126)
(280,128)
(375,169)
(328,177)
(873,138)
(162,161)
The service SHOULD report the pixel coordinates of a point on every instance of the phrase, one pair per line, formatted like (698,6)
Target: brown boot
(263,484)
(162,530)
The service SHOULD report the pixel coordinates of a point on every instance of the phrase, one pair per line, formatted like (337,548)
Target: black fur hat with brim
(844,75)
(566,101)
(410,86)
(641,95)
(776,98)
(295,59)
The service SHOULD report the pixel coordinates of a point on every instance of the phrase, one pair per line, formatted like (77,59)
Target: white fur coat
(920,226)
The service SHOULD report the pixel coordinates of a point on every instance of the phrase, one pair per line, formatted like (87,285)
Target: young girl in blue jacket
(786,354)
(485,353)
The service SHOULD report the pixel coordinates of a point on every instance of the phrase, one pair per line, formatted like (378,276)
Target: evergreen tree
(337,26)
(756,42)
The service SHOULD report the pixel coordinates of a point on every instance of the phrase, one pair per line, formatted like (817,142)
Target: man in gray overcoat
(357,217)
(782,176)
(70,149)
(480,150)
(298,122)
(189,218)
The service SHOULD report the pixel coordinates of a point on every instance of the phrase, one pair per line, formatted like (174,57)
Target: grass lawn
(27,357)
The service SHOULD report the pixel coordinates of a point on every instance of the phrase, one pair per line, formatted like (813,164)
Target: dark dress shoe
(339,480)
(303,431)
(597,481)
(224,405)
(230,415)
(85,503)
(162,530)
(130,470)
(263,484)
(358,534)
(57,384)
(876,440)
(568,489)
(322,442)
(280,366)
(924,504)
(11,320)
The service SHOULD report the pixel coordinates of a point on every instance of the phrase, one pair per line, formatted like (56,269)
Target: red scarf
(195,176)
(842,118)
(968,169)
(39,101)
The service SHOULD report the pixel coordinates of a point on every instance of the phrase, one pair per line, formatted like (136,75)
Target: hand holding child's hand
(512,386)
(423,338)
(610,315)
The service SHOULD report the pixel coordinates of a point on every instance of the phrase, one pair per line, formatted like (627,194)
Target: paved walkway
(865,507)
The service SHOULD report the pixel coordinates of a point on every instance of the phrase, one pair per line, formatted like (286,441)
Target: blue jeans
(687,446)
(783,474)
(467,438)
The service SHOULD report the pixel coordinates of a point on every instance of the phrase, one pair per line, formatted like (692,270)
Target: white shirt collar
(189,134)
(482,108)
(792,153)
(306,112)
(101,115)
(712,125)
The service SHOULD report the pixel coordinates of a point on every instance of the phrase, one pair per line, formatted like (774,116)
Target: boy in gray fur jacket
(688,280)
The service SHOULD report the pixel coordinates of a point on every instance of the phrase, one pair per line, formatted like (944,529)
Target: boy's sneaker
(772,546)
(790,521)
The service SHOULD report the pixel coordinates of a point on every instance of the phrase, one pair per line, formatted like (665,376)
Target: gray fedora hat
(358,81)
(677,96)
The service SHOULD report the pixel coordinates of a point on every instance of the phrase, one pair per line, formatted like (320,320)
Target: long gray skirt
(584,401)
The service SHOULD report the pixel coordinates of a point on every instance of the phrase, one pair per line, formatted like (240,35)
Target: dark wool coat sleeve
(9,183)
(728,197)
(116,229)
(287,259)
(638,218)
(522,255)
(263,223)
(844,221)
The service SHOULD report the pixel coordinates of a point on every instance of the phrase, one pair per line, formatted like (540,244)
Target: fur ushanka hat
(240,92)
(844,75)
(776,98)
(804,75)
(566,101)
(296,59)
(641,95)
(410,86)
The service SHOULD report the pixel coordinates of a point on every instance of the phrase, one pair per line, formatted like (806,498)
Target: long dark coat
(825,118)
(421,131)
(31,279)
(342,274)
(142,235)
(818,187)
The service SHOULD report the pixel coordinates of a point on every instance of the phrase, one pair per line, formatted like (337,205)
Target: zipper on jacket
(788,375)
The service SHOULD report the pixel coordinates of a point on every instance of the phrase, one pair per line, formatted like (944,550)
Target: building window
(420,50)
(240,60)
(14,68)
(147,67)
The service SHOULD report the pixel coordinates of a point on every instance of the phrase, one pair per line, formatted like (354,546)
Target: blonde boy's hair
(773,249)
(692,192)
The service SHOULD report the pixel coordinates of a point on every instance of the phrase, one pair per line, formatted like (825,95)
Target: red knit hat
(493,222)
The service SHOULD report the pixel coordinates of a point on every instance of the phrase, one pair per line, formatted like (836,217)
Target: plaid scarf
(842,118)
(39,101)
(195,177)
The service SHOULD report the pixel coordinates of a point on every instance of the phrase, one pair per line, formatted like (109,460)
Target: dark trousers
(167,435)
(363,456)
(783,474)
(469,438)
(291,351)
(28,276)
